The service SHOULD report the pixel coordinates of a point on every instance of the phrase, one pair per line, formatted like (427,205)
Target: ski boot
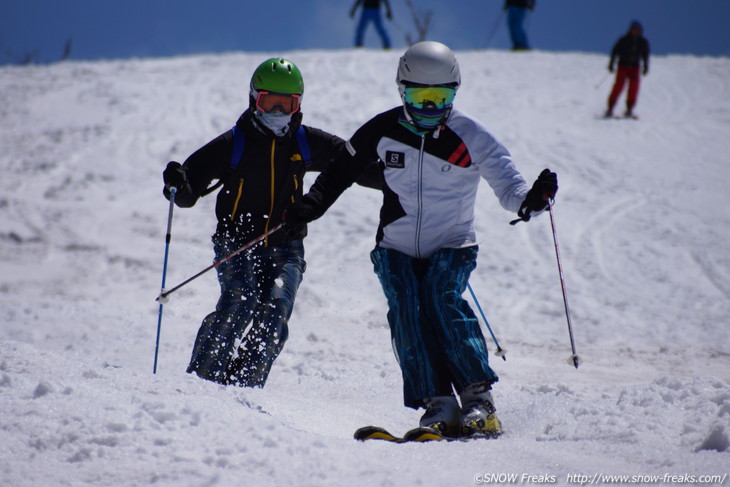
(478,414)
(442,414)
(609,112)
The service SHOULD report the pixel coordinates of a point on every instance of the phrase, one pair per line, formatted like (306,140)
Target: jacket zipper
(419,198)
(271,204)
(296,187)
(238,198)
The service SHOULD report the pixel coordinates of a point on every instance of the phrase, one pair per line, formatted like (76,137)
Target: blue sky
(102,29)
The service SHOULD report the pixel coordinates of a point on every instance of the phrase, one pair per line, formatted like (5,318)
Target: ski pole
(603,80)
(500,351)
(164,295)
(168,237)
(574,359)
(494,29)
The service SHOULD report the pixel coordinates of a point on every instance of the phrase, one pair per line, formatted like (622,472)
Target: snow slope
(642,223)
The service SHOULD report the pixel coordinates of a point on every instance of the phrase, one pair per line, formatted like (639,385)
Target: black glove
(297,216)
(543,189)
(300,213)
(610,68)
(174,176)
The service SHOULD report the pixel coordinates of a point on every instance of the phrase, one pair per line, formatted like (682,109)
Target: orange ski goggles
(269,102)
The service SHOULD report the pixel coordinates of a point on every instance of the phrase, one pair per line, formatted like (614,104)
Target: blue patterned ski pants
(239,341)
(436,336)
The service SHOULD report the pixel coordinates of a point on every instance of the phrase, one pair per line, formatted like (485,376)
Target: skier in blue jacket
(431,158)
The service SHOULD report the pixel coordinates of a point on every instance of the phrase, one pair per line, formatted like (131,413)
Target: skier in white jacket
(432,158)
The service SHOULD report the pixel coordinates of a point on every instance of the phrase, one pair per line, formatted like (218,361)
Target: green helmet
(278,75)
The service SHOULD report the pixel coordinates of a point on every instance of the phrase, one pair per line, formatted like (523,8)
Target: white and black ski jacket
(429,180)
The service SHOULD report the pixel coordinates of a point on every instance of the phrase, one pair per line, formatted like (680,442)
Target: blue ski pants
(238,342)
(516,22)
(436,335)
(371,15)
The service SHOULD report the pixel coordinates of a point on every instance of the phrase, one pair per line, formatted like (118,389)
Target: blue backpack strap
(239,143)
(303,144)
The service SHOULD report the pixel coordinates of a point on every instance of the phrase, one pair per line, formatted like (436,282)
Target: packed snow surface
(642,221)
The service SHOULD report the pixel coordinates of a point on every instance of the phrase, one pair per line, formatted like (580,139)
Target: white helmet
(428,64)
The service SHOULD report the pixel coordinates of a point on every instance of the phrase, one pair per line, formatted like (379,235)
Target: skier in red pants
(631,50)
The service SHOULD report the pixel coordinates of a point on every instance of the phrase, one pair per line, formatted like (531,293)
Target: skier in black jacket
(257,286)
(631,50)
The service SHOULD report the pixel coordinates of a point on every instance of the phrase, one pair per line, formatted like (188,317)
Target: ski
(423,433)
(617,117)
(416,435)
(376,433)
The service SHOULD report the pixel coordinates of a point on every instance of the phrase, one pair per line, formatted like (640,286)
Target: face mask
(278,123)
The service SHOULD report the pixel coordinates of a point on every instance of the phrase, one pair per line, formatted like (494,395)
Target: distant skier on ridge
(517,11)
(371,14)
(631,50)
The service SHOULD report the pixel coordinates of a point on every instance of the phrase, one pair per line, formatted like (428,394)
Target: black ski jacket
(255,195)
(520,3)
(631,51)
